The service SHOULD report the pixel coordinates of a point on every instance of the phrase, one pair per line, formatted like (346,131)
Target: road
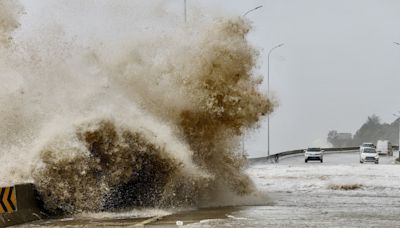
(299,195)
(340,158)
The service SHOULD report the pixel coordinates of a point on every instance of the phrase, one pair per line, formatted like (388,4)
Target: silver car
(313,154)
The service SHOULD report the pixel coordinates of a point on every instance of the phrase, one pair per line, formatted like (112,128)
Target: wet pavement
(302,195)
(339,158)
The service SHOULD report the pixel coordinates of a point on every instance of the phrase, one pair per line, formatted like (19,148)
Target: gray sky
(338,66)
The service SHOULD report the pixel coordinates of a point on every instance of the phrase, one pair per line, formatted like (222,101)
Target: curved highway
(339,158)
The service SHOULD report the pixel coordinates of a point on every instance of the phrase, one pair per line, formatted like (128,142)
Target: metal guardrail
(274,158)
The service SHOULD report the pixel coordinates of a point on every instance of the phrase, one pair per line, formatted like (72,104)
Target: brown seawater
(154,124)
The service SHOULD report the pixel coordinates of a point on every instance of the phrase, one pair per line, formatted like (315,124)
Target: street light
(398,115)
(258,7)
(269,56)
(244,15)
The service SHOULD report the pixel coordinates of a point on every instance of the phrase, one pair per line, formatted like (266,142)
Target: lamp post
(397,115)
(249,11)
(268,70)
(244,15)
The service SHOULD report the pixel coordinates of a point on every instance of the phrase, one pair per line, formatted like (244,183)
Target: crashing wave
(155,125)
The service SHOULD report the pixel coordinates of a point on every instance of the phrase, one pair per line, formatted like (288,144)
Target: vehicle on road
(366,145)
(313,154)
(384,147)
(369,154)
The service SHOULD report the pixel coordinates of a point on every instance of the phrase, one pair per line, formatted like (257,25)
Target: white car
(313,154)
(369,155)
(366,145)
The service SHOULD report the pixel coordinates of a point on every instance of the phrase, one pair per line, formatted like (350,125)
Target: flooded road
(336,193)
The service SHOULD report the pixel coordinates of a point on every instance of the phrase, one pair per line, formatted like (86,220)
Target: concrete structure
(19,205)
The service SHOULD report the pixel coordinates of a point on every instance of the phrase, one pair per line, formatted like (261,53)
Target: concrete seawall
(19,204)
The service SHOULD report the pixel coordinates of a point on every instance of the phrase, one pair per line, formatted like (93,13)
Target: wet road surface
(302,195)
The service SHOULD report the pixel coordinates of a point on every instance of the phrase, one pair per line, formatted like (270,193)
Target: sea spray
(94,165)
(9,15)
(153,123)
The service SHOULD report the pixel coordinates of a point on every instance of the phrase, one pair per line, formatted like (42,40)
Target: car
(313,154)
(366,145)
(369,154)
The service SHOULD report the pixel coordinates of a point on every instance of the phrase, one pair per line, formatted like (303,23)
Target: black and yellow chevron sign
(8,200)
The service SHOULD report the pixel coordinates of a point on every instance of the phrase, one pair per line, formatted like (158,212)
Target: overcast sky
(338,66)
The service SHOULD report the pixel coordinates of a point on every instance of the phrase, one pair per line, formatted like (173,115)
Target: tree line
(371,131)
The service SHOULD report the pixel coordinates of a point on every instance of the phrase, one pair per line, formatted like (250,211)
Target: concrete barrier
(19,204)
